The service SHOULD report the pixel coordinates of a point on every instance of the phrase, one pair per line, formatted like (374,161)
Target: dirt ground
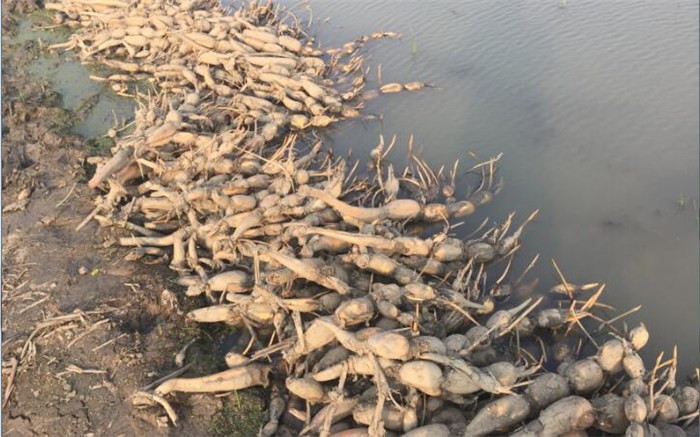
(82,328)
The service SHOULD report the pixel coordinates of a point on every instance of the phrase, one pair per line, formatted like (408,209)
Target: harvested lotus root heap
(359,304)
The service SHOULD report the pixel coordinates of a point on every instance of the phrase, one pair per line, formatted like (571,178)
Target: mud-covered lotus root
(636,429)
(665,409)
(355,311)
(427,344)
(478,334)
(566,415)
(502,318)
(392,416)
(671,430)
(635,408)
(635,386)
(423,375)
(333,356)
(232,379)
(452,417)
(234,281)
(610,414)
(481,252)
(551,318)
(610,356)
(687,399)
(390,345)
(639,336)
(234,359)
(499,414)
(633,365)
(307,389)
(585,376)
(454,343)
(547,389)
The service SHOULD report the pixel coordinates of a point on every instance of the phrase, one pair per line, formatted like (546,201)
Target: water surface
(97,109)
(595,107)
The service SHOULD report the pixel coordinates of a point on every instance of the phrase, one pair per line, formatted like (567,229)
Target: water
(95,105)
(99,109)
(595,107)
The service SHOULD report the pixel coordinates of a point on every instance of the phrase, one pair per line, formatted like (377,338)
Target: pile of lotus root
(360,307)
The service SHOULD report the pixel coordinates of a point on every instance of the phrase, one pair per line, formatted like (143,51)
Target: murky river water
(67,76)
(595,107)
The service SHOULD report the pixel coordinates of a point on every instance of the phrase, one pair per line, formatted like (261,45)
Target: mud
(108,327)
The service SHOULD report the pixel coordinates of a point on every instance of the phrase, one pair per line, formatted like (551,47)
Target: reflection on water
(595,106)
(95,106)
